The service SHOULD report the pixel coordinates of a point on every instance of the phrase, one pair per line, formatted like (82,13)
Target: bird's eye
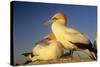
(48,38)
(55,18)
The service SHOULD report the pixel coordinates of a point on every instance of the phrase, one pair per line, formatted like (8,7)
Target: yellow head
(50,36)
(58,17)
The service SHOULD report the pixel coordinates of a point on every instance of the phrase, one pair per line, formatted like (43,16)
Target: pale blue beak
(48,22)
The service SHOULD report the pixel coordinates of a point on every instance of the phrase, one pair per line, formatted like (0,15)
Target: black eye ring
(55,18)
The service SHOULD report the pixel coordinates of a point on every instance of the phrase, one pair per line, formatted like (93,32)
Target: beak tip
(48,22)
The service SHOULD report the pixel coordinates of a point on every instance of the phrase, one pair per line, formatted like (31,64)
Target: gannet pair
(46,49)
(70,38)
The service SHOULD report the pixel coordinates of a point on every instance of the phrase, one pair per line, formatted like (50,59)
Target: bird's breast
(59,33)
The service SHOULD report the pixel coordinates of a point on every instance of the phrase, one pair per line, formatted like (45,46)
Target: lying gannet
(70,38)
(46,49)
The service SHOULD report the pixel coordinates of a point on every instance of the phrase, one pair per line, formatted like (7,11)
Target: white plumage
(66,35)
(70,38)
(47,49)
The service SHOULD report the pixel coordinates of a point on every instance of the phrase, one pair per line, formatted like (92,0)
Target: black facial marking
(55,18)
(48,38)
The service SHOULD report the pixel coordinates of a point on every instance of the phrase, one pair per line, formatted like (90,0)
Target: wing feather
(75,36)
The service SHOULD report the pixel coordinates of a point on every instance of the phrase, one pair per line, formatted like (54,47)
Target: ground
(63,60)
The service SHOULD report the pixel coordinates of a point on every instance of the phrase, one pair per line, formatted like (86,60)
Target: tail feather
(93,50)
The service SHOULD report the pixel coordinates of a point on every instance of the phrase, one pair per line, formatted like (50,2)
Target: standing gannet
(46,49)
(70,38)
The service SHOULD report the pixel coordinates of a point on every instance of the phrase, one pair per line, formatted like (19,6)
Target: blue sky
(29,19)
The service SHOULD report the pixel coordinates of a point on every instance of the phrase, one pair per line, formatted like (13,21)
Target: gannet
(46,49)
(70,38)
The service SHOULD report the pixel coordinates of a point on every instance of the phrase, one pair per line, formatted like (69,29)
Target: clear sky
(29,19)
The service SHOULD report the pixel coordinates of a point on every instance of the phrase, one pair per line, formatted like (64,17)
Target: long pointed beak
(48,22)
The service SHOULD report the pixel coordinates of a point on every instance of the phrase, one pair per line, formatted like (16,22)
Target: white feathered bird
(70,38)
(46,49)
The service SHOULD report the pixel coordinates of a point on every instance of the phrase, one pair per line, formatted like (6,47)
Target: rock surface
(62,60)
